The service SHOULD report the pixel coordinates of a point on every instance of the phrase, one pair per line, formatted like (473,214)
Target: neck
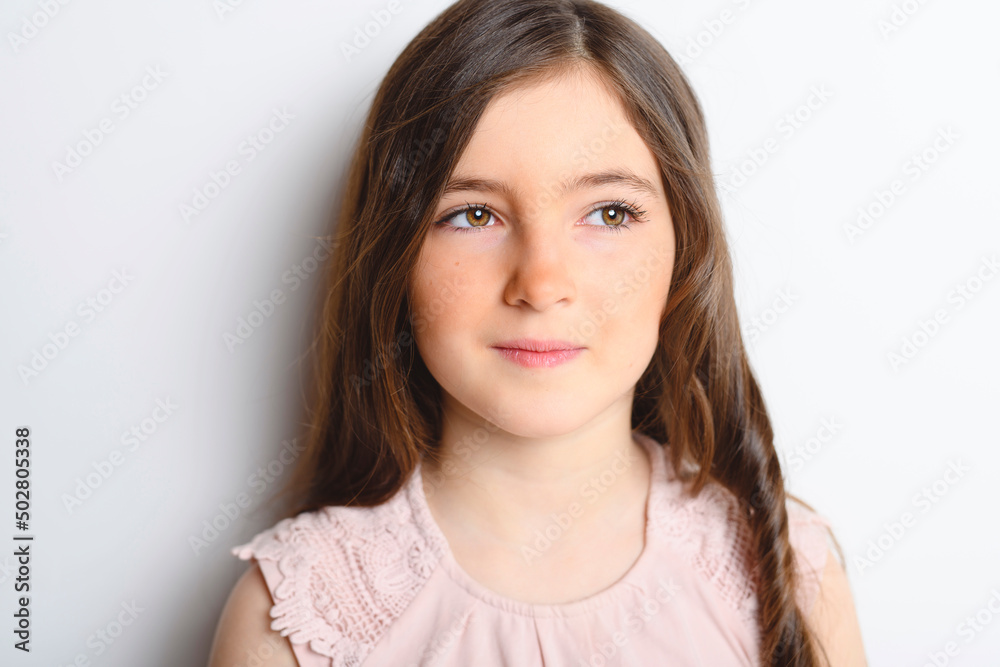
(503,486)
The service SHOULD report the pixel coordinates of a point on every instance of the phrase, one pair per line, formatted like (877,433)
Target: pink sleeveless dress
(379,586)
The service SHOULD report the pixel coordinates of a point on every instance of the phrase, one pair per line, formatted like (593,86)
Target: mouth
(532,353)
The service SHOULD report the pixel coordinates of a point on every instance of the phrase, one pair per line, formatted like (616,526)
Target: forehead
(567,123)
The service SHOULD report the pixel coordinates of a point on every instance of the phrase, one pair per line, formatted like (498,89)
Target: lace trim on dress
(712,532)
(709,530)
(347,574)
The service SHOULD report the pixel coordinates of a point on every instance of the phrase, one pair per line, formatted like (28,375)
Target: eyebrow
(622,177)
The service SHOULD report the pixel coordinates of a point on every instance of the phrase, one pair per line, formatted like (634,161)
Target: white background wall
(830,306)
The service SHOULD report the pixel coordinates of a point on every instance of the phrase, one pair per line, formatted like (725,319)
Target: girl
(535,437)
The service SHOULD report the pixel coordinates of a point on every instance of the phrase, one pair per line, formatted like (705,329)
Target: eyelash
(631,208)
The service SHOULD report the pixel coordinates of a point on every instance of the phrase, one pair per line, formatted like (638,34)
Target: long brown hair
(373,408)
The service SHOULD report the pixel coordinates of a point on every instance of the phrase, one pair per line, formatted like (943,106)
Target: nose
(541,266)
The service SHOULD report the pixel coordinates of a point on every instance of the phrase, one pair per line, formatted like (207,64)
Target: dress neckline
(634,578)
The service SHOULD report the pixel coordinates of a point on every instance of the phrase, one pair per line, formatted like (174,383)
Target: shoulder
(244,628)
(834,619)
(824,592)
(824,589)
(714,532)
(810,537)
(340,576)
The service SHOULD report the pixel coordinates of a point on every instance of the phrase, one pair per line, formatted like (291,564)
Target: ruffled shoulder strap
(346,574)
(712,532)
(809,534)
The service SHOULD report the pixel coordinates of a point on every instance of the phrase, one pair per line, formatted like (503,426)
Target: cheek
(651,273)
(631,299)
(441,290)
(638,285)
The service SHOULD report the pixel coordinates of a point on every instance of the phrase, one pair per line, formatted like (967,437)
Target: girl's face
(568,238)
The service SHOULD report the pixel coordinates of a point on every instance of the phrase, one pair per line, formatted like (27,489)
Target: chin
(531,417)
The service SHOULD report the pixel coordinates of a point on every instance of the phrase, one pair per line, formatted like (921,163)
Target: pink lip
(532,353)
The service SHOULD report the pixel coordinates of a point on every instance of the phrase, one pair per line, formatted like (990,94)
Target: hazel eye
(617,216)
(471,218)
(477,217)
(613,215)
